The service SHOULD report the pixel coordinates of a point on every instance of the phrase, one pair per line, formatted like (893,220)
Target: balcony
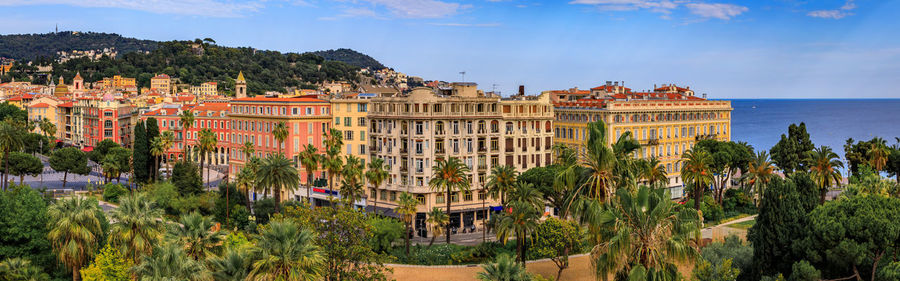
(440,151)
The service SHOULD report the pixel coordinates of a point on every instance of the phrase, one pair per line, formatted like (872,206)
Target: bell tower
(240,86)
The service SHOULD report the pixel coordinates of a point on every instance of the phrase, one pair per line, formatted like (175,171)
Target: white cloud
(416,8)
(466,24)
(206,8)
(844,11)
(716,10)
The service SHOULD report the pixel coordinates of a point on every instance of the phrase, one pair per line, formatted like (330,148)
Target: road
(51,179)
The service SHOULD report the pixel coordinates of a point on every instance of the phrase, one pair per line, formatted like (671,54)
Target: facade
(44,108)
(350,117)
(107,118)
(252,120)
(161,83)
(240,86)
(666,123)
(205,89)
(116,83)
(212,116)
(413,131)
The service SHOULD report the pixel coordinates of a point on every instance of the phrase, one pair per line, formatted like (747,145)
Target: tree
(727,158)
(69,160)
(654,173)
(233,265)
(449,176)
(186,120)
(108,265)
(376,175)
(333,163)
(157,149)
(19,269)
(23,164)
(878,153)
(501,181)
(309,159)
(186,177)
(782,220)
(790,151)
(141,153)
(75,231)
(522,216)
(118,159)
(207,143)
(36,144)
(695,172)
(10,141)
(600,160)
(245,181)
(823,164)
(277,172)
(737,253)
(23,226)
(760,171)
(47,127)
(706,271)
(285,251)
(101,149)
(170,262)
(167,139)
(152,127)
(643,235)
(200,236)
(137,228)
(384,232)
(557,239)
(437,219)
(351,185)
(504,268)
(280,132)
(406,207)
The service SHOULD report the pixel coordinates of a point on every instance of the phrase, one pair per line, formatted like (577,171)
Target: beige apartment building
(411,132)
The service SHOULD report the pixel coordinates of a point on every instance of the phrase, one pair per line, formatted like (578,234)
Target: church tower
(78,82)
(240,86)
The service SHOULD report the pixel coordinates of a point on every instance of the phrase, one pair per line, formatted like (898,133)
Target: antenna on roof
(463,73)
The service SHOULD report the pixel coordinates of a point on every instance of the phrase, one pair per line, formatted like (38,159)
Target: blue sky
(728,49)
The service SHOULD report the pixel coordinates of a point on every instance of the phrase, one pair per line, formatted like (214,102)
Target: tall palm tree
(186,119)
(200,235)
(351,191)
(642,235)
(352,180)
(245,180)
(406,207)
(277,172)
(10,140)
(627,169)
(449,176)
(760,171)
(565,155)
(654,172)
(286,252)
(207,143)
(21,269)
(376,174)
(437,219)
(600,160)
(695,171)
(170,262)
(309,159)
(504,268)
(522,217)
(75,231)
(48,128)
(280,132)
(168,139)
(157,149)
(138,226)
(334,164)
(335,139)
(233,265)
(878,154)
(501,181)
(824,164)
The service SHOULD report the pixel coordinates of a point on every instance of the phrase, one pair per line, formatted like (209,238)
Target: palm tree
(245,180)
(406,207)
(565,155)
(654,172)
(186,119)
(627,169)
(247,148)
(157,149)
(759,173)
(168,139)
(522,218)
(824,164)
(333,164)
(170,262)
(449,176)
(48,128)
(21,269)
(376,174)
(309,159)
(233,265)
(75,231)
(277,172)
(437,219)
(878,154)
(501,181)
(642,235)
(695,171)
(504,268)
(200,235)
(110,167)
(10,140)
(335,139)
(600,160)
(286,252)
(280,132)
(207,143)
(138,226)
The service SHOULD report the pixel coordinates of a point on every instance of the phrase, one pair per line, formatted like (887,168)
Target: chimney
(616,83)
(521,90)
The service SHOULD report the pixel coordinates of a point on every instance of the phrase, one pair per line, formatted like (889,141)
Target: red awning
(88,149)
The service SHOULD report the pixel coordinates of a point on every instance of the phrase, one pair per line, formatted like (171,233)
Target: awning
(87,149)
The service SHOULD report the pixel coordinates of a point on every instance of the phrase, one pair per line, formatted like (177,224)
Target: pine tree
(141,156)
(783,220)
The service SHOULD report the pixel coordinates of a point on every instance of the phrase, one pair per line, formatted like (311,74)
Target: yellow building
(44,108)
(116,82)
(161,83)
(666,123)
(350,114)
(206,89)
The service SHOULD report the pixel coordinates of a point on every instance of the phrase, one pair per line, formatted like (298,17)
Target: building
(116,83)
(350,117)
(61,89)
(411,132)
(206,89)
(665,122)
(212,116)
(252,120)
(240,86)
(161,83)
(107,118)
(71,127)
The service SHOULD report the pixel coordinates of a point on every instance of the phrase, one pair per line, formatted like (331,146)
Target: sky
(727,49)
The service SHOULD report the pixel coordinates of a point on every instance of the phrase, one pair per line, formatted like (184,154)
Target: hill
(351,57)
(32,46)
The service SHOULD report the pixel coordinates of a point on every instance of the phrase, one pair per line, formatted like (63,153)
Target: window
(347,121)
(309,111)
(454,197)
(439,198)
(420,198)
(337,120)
(348,135)
(393,196)
(362,107)
(467,196)
(294,111)
(361,121)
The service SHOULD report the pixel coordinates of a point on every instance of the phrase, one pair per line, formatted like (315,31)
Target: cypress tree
(783,221)
(152,133)
(141,156)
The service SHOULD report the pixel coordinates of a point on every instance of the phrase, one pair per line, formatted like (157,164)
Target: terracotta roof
(68,104)
(40,105)
(263,99)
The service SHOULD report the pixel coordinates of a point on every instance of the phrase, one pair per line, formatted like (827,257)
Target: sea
(830,122)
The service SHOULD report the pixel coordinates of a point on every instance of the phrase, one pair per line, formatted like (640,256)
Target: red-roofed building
(105,118)
(212,116)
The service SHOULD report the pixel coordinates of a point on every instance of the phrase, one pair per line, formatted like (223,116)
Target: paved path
(720,231)
(51,179)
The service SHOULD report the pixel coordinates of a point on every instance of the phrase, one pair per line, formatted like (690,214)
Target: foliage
(137,228)
(706,271)
(200,236)
(504,268)
(556,239)
(803,271)
(152,166)
(170,262)
(31,46)
(823,166)
(141,153)
(163,196)
(22,164)
(23,226)
(186,176)
(36,143)
(204,203)
(278,174)
(69,160)
(236,240)
(710,211)
(112,192)
(233,265)
(481,253)
(19,269)
(782,221)
(8,110)
(286,251)
(727,158)
(867,182)
(524,212)
(384,232)
(450,177)
(738,253)
(737,202)
(792,149)
(116,162)
(76,231)
(234,198)
(350,57)
(263,209)
(101,149)
(108,265)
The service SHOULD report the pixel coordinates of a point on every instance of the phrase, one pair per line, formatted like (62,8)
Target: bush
(483,252)
(163,194)
(712,212)
(385,232)
(186,177)
(437,254)
(203,203)
(112,192)
(737,202)
(263,209)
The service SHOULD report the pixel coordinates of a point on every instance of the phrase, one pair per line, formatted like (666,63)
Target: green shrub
(437,254)
(482,252)
(737,202)
(712,212)
(263,209)
(112,192)
(163,194)
(385,232)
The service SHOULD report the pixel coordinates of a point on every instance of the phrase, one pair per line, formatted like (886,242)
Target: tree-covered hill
(32,46)
(351,57)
